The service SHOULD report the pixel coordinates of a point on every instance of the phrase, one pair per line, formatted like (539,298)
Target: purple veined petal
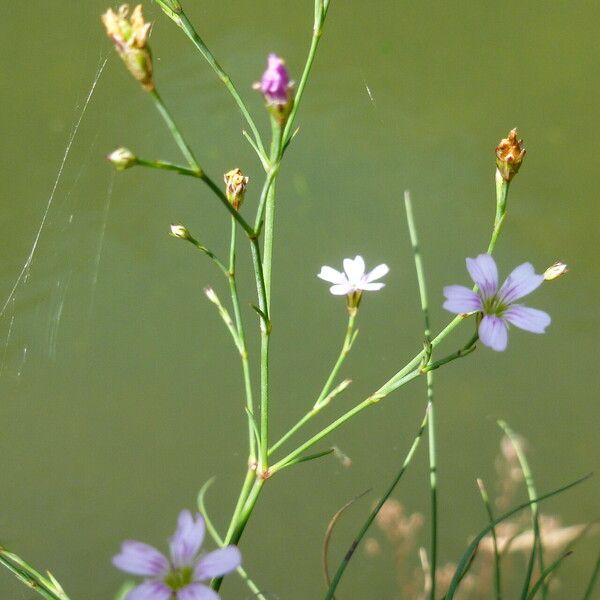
(522,281)
(187,539)
(196,591)
(529,319)
(484,273)
(150,590)
(493,332)
(138,558)
(355,269)
(377,273)
(341,289)
(460,299)
(331,275)
(217,563)
(371,286)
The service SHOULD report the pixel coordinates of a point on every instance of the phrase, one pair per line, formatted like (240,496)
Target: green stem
(183,146)
(320,14)
(587,595)
(345,561)
(431,428)
(181,19)
(242,340)
(167,166)
(186,151)
(490,514)
(379,395)
(320,404)
(532,493)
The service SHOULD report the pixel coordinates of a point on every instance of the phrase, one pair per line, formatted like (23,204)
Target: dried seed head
(235,187)
(509,155)
(130,36)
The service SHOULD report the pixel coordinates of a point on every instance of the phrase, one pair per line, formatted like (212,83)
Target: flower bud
(130,36)
(235,187)
(275,86)
(180,232)
(122,158)
(556,270)
(509,155)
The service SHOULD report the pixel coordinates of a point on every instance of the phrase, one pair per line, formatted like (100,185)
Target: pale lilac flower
(181,576)
(498,305)
(354,279)
(275,82)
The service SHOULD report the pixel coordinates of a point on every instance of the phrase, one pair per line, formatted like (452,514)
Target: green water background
(120,389)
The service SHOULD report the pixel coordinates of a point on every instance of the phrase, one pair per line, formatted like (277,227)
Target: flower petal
(217,563)
(371,286)
(138,558)
(484,273)
(522,281)
(187,539)
(460,299)
(355,269)
(196,591)
(377,273)
(341,289)
(331,275)
(150,590)
(493,332)
(529,319)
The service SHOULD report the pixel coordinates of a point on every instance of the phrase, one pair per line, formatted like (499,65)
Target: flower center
(493,306)
(179,578)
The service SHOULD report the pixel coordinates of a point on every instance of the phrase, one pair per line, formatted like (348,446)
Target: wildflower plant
(486,310)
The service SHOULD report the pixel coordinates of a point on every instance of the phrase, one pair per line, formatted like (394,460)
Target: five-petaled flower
(180,577)
(354,280)
(498,305)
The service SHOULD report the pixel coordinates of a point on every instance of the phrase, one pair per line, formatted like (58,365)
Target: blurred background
(120,390)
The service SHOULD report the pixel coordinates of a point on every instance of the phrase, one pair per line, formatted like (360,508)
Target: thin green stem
(183,146)
(186,151)
(587,595)
(490,514)
(379,395)
(532,493)
(242,340)
(431,428)
(180,18)
(325,391)
(167,166)
(472,547)
(319,20)
(363,530)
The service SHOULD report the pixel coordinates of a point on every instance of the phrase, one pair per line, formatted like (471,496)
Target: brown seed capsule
(509,155)
(130,36)
(235,187)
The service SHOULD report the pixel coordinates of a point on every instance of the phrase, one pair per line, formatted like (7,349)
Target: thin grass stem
(488,508)
(363,530)
(431,427)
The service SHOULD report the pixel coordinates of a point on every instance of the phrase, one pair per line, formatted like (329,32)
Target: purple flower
(498,305)
(275,83)
(179,578)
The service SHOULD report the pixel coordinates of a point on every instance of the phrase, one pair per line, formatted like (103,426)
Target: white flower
(354,279)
